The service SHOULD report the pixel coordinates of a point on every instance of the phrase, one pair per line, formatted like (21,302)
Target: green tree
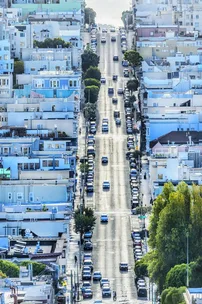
(84,221)
(90,111)
(37,267)
(93,72)
(91,94)
(132,85)
(90,15)
(133,58)
(18,69)
(91,81)
(89,58)
(176,277)
(9,269)
(173,295)
(84,168)
(196,273)
(141,268)
(51,43)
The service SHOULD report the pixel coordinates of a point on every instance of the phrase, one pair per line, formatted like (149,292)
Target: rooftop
(178,137)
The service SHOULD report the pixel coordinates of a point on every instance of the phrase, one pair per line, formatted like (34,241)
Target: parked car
(86,275)
(106,292)
(85,285)
(88,294)
(88,246)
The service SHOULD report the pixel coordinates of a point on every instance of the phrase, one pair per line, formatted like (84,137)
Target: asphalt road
(112,242)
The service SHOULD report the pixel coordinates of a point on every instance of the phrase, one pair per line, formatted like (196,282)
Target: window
(13,231)
(31,165)
(26,166)
(44,163)
(50,163)
(31,196)
(6,48)
(70,83)
(160,176)
(72,162)
(197,16)
(20,166)
(19,196)
(56,163)
(5,57)
(37,166)
(54,83)
(74,83)
(9,195)
(196,24)
(22,34)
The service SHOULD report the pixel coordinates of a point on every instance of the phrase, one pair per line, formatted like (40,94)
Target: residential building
(193,295)
(49,84)
(175,161)
(29,7)
(36,60)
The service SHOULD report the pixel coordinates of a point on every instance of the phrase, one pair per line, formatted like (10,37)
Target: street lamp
(187,236)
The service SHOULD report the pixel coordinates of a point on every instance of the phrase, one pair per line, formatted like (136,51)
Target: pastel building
(49,84)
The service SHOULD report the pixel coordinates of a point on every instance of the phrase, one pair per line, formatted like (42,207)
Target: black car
(115,58)
(115,77)
(114,100)
(123,267)
(104,160)
(88,246)
(110,91)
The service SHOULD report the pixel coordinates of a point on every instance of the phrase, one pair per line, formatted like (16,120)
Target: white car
(103,40)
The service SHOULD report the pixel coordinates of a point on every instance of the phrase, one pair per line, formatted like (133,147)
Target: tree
(176,277)
(127,18)
(173,295)
(91,93)
(18,69)
(89,59)
(84,168)
(133,58)
(91,81)
(37,267)
(90,15)
(9,269)
(132,85)
(84,221)
(176,215)
(141,268)
(90,111)
(93,72)
(51,43)
(196,273)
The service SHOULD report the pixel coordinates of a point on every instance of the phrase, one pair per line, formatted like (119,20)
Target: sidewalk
(73,267)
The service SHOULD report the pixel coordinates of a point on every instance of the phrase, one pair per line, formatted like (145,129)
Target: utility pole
(71,295)
(187,235)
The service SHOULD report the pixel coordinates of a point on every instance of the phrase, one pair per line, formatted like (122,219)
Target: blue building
(6,63)
(49,84)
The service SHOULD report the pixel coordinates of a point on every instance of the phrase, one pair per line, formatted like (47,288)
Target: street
(112,242)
